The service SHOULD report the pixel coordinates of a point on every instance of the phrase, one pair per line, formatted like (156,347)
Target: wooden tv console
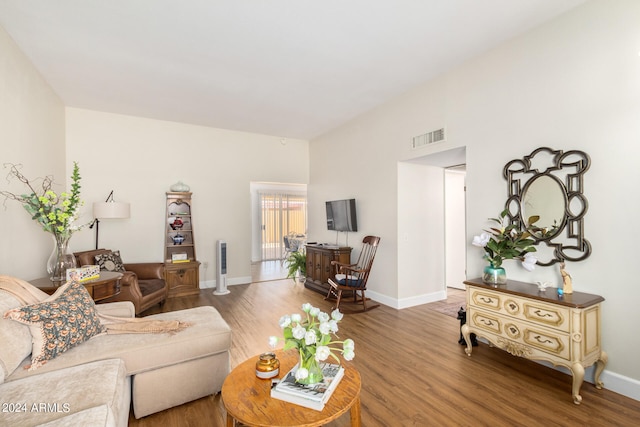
(319,268)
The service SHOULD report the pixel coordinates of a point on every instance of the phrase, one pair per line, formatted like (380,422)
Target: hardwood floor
(414,372)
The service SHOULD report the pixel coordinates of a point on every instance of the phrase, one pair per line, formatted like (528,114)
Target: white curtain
(282,214)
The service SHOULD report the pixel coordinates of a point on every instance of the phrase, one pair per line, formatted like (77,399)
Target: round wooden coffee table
(247,398)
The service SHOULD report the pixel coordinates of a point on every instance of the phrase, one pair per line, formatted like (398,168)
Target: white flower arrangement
(311,335)
(507,242)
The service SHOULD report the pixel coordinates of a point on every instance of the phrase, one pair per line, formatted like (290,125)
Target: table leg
(578,377)
(600,364)
(231,422)
(466,333)
(355,413)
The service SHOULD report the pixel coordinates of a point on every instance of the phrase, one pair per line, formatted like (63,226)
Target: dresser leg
(578,377)
(600,364)
(466,334)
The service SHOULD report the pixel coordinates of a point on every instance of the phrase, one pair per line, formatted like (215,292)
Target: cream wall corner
(139,159)
(32,133)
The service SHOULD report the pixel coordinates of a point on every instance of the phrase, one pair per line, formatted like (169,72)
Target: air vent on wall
(427,138)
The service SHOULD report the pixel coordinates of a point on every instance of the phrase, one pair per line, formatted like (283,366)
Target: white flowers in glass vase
(311,335)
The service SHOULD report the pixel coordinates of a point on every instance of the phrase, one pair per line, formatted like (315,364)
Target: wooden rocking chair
(353,277)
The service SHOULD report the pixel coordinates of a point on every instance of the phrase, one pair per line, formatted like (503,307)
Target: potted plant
(297,265)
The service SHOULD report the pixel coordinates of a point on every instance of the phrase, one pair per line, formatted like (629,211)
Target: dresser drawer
(522,337)
(537,312)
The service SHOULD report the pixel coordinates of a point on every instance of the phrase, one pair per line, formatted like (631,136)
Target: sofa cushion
(60,322)
(60,394)
(110,261)
(15,338)
(208,335)
(150,286)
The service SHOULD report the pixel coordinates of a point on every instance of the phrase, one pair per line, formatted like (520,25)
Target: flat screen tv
(341,215)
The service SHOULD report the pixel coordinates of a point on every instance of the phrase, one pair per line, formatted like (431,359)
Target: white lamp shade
(108,210)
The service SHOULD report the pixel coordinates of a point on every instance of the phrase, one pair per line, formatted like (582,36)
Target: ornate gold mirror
(546,197)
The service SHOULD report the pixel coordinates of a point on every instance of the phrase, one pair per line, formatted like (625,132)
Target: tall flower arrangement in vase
(312,335)
(56,213)
(505,241)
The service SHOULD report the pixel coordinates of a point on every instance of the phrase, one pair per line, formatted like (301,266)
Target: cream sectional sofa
(95,382)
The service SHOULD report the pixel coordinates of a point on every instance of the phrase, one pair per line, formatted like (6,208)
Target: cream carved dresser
(519,319)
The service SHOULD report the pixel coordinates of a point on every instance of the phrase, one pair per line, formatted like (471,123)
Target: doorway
(276,210)
(428,264)
(455,226)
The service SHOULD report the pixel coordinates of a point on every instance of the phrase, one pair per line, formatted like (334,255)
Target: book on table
(313,396)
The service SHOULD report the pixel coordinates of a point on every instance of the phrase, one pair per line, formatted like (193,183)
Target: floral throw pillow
(64,320)
(110,261)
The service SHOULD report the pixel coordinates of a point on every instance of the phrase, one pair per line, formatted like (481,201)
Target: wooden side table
(248,400)
(105,286)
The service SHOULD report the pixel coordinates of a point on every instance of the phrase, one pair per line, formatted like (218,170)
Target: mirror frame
(571,166)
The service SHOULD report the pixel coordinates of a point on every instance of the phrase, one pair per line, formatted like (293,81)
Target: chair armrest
(118,309)
(341,264)
(349,269)
(147,270)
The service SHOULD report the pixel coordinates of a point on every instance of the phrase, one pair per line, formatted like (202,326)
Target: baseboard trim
(211,284)
(407,302)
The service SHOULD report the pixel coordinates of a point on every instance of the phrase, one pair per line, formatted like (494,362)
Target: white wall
(31,134)
(573,83)
(141,158)
(455,231)
(421,234)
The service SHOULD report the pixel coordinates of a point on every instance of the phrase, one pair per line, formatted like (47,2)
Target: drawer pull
(486,322)
(537,338)
(486,300)
(541,314)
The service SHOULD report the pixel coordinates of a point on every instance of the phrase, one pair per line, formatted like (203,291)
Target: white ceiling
(288,68)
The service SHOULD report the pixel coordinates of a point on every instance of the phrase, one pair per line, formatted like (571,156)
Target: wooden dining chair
(353,277)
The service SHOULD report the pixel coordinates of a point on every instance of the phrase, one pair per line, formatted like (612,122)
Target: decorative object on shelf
(109,209)
(311,337)
(179,257)
(177,239)
(567,285)
(542,286)
(267,366)
(84,273)
(179,187)
(505,242)
(177,223)
(57,214)
(61,258)
(494,275)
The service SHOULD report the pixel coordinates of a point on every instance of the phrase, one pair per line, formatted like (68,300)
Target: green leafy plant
(56,213)
(296,261)
(507,242)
